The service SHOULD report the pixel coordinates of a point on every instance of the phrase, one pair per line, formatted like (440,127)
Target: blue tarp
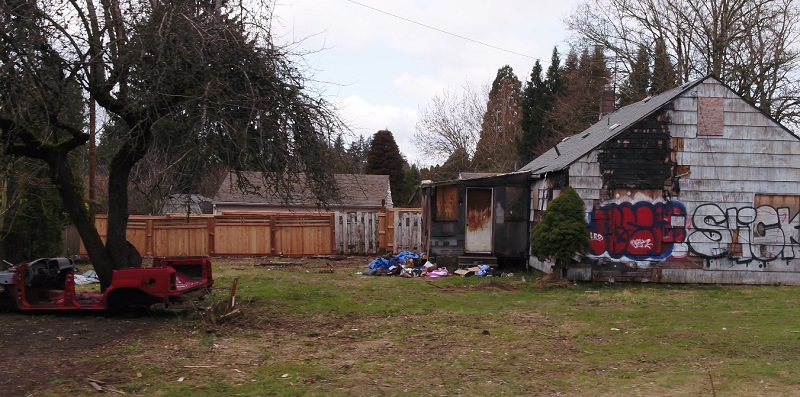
(400,258)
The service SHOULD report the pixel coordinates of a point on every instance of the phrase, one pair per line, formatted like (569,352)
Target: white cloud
(383,68)
(366,119)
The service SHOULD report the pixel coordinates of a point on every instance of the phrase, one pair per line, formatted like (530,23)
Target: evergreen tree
(664,77)
(500,131)
(35,218)
(562,232)
(532,114)
(384,158)
(636,86)
(577,107)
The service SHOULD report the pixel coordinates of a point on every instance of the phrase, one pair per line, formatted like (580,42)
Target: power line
(441,30)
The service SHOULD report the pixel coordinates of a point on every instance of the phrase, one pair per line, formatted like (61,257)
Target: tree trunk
(63,178)
(120,250)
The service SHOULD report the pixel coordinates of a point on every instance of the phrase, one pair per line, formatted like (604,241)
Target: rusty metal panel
(478,237)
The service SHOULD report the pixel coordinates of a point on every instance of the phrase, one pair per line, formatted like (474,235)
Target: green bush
(563,231)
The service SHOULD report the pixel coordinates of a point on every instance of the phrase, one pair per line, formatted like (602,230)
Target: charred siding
(638,158)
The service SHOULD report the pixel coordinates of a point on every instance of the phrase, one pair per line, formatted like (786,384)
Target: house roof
(576,146)
(356,190)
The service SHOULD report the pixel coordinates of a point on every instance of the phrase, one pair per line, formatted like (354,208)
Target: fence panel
(243,235)
(344,232)
(180,236)
(407,230)
(356,232)
(303,234)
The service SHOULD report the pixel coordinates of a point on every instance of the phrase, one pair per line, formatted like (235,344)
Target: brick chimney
(607,100)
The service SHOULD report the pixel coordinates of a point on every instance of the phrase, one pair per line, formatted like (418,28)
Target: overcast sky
(380,69)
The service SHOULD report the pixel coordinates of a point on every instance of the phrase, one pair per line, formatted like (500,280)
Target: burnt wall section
(638,158)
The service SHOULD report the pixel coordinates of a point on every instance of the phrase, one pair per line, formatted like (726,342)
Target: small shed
(478,217)
(358,192)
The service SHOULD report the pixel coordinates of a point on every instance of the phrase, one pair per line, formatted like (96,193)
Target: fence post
(333,232)
(212,239)
(272,227)
(148,237)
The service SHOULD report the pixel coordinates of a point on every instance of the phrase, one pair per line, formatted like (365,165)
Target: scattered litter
(181,379)
(102,387)
(88,277)
(285,376)
(405,264)
(615,329)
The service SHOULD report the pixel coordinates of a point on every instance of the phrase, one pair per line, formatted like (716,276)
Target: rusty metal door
(478,236)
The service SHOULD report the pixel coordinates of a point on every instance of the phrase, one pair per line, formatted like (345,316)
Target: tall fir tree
(384,158)
(664,77)
(500,131)
(637,84)
(577,107)
(532,114)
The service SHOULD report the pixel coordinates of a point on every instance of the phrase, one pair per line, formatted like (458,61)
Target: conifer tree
(663,71)
(384,158)
(636,86)
(562,232)
(500,131)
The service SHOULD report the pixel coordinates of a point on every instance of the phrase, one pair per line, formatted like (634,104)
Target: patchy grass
(306,331)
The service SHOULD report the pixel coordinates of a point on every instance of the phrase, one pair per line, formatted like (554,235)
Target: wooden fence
(350,233)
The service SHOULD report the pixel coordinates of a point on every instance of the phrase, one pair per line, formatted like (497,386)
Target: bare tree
(749,44)
(451,123)
(201,79)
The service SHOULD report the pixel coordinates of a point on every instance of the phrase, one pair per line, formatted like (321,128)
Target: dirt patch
(43,348)
(483,286)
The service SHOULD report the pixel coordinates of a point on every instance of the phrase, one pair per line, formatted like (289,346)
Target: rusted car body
(48,284)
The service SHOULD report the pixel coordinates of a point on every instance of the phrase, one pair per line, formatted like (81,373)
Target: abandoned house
(477,218)
(692,185)
(357,193)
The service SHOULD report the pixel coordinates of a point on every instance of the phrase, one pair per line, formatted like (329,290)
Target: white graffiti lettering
(596,237)
(641,243)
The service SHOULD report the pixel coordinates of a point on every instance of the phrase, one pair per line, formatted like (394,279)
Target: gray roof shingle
(357,190)
(576,146)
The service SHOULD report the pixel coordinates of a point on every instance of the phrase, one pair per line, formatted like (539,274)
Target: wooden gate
(356,232)
(407,229)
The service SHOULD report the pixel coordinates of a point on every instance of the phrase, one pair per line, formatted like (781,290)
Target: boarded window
(515,203)
(447,203)
(710,119)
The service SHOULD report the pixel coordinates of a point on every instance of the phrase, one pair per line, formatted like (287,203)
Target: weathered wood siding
(737,185)
(708,182)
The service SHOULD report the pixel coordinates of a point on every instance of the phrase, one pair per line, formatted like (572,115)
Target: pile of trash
(405,264)
(478,270)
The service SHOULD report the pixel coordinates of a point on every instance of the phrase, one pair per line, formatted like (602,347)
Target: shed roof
(576,146)
(356,190)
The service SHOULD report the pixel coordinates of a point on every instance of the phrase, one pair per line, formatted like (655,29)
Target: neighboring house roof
(356,190)
(183,203)
(476,175)
(576,146)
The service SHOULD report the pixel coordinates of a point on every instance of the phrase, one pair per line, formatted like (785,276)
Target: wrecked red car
(48,284)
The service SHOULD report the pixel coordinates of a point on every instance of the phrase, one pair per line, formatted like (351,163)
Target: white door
(478,237)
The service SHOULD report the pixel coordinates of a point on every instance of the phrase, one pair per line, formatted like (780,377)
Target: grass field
(313,329)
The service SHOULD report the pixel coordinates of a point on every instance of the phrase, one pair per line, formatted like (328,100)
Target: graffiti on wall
(764,234)
(660,230)
(643,229)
